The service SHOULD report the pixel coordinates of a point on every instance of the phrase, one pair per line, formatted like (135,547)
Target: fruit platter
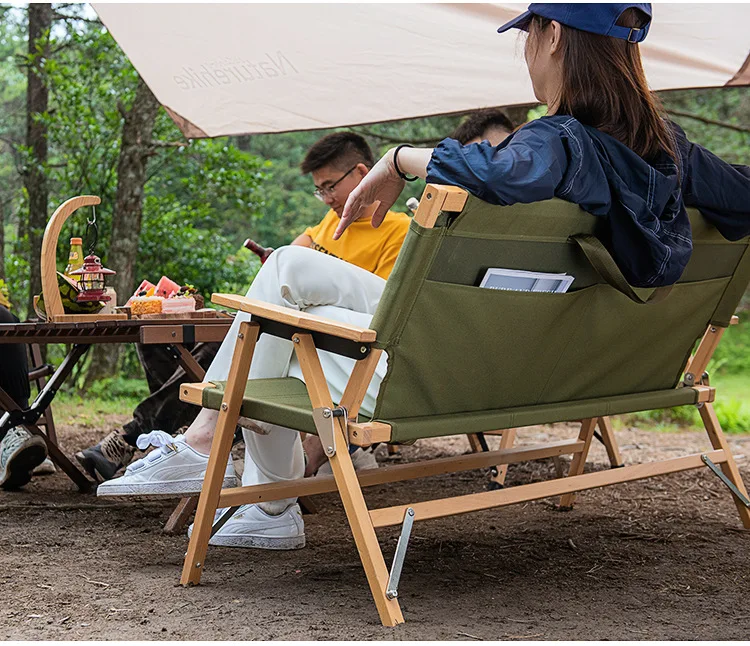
(165,299)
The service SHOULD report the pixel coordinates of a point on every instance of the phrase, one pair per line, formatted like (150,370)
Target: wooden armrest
(295,318)
(734,320)
(193,393)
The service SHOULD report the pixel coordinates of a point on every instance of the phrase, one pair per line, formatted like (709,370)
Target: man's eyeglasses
(322,193)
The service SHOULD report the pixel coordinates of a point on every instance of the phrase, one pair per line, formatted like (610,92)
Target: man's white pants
(302,279)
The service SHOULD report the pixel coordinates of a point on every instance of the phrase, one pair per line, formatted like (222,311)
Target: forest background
(75,119)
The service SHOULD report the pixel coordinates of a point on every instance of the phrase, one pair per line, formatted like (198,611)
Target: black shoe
(20,453)
(105,459)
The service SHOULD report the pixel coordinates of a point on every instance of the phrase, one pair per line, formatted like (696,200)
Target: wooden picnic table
(175,332)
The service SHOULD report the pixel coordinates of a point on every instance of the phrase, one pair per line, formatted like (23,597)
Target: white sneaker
(174,468)
(252,527)
(361,460)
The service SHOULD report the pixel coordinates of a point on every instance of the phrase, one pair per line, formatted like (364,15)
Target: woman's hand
(382,184)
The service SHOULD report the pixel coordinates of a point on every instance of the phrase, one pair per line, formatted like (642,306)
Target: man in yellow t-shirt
(337,163)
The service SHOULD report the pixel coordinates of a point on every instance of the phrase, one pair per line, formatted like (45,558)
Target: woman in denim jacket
(605,145)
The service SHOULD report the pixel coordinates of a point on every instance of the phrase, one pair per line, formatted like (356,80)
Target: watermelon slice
(144,286)
(166,287)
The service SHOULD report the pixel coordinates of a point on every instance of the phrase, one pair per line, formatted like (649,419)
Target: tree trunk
(35,177)
(2,240)
(137,131)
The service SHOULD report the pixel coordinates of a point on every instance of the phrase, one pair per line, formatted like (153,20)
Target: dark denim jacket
(648,231)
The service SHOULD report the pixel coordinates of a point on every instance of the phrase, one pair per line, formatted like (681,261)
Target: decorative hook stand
(52,301)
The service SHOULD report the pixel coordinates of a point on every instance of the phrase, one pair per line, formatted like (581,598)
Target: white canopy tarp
(228,69)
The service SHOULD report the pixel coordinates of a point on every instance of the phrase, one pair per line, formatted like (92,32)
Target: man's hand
(381,185)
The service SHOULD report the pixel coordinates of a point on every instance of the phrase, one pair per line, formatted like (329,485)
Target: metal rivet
(295,339)
(198,564)
(326,413)
(223,407)
(240,336)
(329,450)
(354,433)
(174,334)
(363,349)
(713,329)
(428,196)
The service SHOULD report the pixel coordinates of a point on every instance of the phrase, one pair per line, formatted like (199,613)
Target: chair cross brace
(223,520)
(391,590)
(720,475)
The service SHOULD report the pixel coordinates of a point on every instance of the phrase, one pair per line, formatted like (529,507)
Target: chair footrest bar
(389,516)
(370,477)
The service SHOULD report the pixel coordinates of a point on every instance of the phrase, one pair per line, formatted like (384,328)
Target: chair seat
(285,402)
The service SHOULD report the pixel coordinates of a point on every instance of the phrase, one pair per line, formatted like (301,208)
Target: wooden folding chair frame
(341,432)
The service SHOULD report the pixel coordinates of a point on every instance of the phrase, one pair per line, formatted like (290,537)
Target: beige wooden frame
(363,521)
(52,301)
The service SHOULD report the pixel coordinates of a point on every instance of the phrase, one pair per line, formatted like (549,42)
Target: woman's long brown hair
(604,86)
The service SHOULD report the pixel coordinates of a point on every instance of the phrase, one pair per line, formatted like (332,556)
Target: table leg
(28,418)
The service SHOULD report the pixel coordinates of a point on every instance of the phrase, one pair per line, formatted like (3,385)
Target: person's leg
(157,362)
(298,278)
(14,367)
(161,410)
(277,456)
(294,277)
(20,451)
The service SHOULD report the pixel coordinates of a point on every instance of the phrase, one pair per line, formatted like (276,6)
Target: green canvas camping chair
(462,359)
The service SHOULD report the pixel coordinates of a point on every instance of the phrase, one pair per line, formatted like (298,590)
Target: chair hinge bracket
(398,559)
(325,423)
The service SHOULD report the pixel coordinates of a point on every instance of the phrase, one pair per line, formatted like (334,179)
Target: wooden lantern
(52,301)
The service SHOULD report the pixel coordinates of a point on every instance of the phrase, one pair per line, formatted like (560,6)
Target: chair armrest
(295,318)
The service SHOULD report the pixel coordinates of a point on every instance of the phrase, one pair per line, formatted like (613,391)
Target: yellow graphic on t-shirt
(372,249)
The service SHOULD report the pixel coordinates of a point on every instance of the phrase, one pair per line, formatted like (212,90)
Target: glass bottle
(75,257)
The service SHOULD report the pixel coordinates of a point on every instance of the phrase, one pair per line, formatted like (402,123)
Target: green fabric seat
(279,401)
(285,402)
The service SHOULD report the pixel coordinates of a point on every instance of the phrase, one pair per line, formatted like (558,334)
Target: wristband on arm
(399,172)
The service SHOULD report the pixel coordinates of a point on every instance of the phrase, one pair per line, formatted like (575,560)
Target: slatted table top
(117,331)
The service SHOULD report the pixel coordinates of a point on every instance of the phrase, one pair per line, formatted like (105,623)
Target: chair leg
(474,443)
(348,485)
(579,459)
(49,423)
(609,441)
(220,449)
(364,533)
(506,442)
(719,441)
(180,516)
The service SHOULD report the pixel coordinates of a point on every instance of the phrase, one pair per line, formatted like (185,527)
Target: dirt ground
(659,559)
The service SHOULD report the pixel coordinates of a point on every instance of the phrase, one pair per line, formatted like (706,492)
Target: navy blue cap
(597,18)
